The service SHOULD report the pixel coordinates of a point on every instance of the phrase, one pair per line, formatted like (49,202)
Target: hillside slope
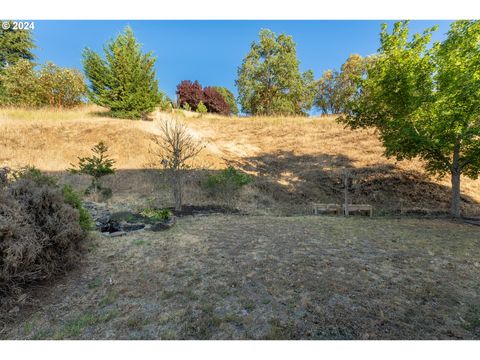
(295,161)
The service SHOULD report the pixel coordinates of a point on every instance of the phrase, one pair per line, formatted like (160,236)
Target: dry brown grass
(252,277)
(296,160)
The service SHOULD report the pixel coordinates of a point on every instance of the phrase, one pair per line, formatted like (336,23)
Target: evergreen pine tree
(15,45)
(124,81)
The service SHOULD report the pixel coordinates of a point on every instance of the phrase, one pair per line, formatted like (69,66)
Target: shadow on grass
(291,178)
(291,183)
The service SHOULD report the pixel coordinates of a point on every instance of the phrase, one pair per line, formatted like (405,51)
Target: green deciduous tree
(335,89)
(50,86)
(124,81)
(15,45)
(60,87)
(19,84)
(229,98)
(269,80)
(425,101)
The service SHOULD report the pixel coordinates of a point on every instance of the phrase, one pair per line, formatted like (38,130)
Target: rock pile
(119,223)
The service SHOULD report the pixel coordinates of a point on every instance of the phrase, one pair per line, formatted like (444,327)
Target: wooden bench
(358,208)
(326,208)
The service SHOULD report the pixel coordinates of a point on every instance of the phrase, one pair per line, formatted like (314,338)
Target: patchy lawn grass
(244,277)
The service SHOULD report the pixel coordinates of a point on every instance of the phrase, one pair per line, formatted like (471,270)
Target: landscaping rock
(163,225)
(131,227)
(101,215)
(119,223)
(117,233)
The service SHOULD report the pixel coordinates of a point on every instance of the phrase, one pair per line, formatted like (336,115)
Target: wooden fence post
(345,184)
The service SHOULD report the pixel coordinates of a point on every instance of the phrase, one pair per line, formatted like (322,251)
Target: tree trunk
(177,190)
(455,172)
(455,206)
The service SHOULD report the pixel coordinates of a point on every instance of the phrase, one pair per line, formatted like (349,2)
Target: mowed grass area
(248,277)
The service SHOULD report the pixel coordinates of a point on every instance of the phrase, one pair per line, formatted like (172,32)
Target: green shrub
(156,214)
(224,184)
(201,108)
(186,107)
(35,175)
(229,99)
(73,198)
(20,85)
(60,87)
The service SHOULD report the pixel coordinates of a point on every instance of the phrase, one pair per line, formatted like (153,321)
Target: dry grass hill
(295,161)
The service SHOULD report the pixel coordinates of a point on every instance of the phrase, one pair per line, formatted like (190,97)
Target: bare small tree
(175,147)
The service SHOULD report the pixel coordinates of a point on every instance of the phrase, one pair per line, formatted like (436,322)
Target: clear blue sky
(211,51)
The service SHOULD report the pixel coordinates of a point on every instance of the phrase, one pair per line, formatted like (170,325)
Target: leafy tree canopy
(229,98)
(425,100)
(336,88)
(52,85)
(269,80)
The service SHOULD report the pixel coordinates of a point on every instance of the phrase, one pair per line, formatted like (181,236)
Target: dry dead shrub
(40,236)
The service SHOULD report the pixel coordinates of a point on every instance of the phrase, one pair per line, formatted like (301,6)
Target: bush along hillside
(42,226)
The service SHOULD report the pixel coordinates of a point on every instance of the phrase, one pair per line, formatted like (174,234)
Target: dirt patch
(195,210)
(244,277)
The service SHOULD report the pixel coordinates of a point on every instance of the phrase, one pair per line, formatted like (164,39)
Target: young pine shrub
(97,166)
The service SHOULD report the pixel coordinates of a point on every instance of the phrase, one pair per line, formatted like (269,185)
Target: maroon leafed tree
(190,93)
(215,102)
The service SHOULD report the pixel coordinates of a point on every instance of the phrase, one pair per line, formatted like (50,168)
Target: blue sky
(211,51)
